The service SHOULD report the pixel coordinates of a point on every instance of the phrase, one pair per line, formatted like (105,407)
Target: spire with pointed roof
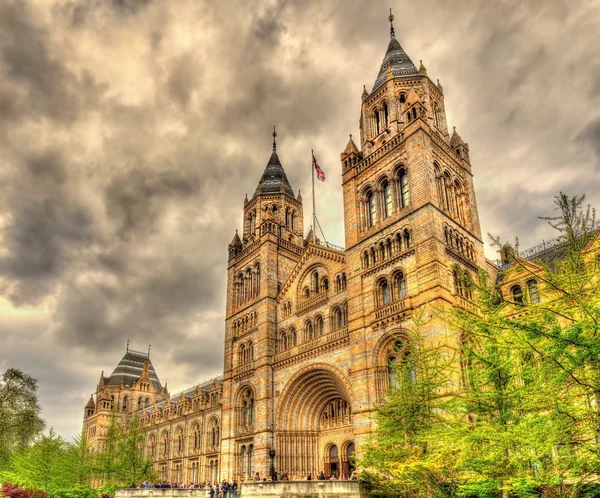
(236,241)
(395,59)
(91,404)
(274,179)
(351,147)
(456,139)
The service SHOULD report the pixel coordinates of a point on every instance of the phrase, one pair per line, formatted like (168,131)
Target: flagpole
(312,166)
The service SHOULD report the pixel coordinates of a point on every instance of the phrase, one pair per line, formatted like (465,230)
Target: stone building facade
(312,331)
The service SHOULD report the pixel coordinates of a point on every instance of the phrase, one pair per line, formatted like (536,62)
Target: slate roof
(399,61)
(274,180)
(130,368)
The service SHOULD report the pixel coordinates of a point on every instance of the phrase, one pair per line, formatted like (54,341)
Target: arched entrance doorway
(314,426)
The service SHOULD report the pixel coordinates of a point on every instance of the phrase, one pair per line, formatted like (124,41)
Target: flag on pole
(319,171)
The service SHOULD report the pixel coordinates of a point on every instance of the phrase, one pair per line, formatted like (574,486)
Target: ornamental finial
(274,143)
(391,19)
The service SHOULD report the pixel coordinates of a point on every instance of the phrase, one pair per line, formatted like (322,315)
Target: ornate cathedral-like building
(313,332)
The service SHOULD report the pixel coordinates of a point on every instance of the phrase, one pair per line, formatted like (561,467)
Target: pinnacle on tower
(395,59)
(351,147)
(274,180)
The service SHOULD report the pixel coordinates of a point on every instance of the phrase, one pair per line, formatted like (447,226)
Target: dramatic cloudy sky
(131,130)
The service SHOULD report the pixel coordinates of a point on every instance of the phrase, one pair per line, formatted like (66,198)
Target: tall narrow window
(448,193)
(371,212)
(385,114)
(404,191)
(534,293)
(458,199)
(439,184)
(377,122)
(400,284)
(387,199)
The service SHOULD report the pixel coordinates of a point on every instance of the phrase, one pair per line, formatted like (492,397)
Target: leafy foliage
(20,418)
(518,413)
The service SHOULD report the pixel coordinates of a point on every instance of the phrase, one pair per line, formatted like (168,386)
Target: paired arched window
(179,440)
(196,437)
(463,285)
(247,407)
(339,317)
(214,434)
(400,365)
(164,444)
(125,403)
(246,353)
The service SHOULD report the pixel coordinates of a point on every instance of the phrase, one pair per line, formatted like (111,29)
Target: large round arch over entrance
(314,415)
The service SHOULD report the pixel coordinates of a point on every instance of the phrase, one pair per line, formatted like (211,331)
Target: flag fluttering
(318,170)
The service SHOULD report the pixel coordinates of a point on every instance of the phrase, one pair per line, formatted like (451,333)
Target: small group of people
(227,489)
(353,476)
(216,489)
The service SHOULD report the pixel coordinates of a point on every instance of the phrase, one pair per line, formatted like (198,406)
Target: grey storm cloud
(130,131)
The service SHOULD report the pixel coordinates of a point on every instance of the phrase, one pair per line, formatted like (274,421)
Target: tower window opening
(387,199)
(377,124)
(385,114)
(404,190)
(371,209)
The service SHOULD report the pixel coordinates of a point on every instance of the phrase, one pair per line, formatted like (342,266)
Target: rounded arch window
(517,294)
(404,190)
(247,407)
(400,285)
(384,293)
(319,326)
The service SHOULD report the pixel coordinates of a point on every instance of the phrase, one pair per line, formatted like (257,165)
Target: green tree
(121,460)
(20,418)
(403,457)
(133,466)
(527,412)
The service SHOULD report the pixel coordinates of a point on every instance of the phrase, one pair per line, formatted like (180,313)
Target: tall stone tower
(411,223)
(259,263)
